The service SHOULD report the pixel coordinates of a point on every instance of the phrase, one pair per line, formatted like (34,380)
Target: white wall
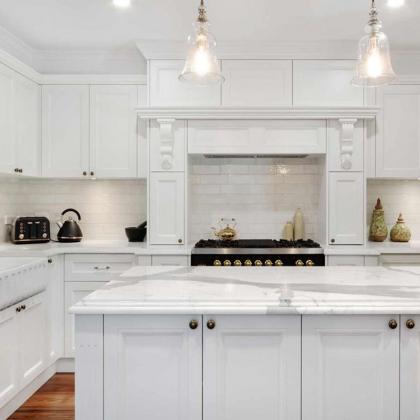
(255,193)
(107,207)
(397,197)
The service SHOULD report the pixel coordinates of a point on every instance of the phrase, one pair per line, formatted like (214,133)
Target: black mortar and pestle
(136,234)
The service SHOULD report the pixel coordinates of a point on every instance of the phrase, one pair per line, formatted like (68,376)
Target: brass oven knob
(217,263)
(237,263)
(410,324)
(310,263)
(248,263)
(258,263)
(393,324)
(299,263)
(278,263)
(268,263)
(227,263)
(193,324)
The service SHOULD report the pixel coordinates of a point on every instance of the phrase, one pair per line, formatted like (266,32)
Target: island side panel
(89,367)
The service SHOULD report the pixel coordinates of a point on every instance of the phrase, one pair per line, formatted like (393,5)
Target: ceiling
(96,24)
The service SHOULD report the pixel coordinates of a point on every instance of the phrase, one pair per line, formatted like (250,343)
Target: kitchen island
(319,343)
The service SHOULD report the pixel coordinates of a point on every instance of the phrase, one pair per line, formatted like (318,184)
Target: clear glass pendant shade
(201,66)
(374,67)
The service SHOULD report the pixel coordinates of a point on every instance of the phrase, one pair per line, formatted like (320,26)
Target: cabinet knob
(410,324)
(393,324)
(20,171)
(211,324)
(333,241)
(194,324)
(84,173)
(23,307)
(18,309)
(92,173)
(16,170)
(50,261)
(180,241)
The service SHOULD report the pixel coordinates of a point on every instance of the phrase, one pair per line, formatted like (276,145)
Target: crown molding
(94,79)
(259,113)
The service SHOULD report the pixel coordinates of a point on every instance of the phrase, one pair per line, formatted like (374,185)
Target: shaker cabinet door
(252,367)
(350,368)
(153,368)
(398,132)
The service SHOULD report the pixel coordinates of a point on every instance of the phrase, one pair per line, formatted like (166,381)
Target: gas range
(257,252)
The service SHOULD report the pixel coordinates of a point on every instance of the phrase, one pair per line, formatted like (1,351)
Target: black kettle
(70,230)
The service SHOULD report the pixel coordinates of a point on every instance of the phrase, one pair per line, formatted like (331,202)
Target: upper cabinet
(167,90)
(65,131)
(398,132)
(113,131)
(19,124)
(90,131)
(257,83)
(325,83)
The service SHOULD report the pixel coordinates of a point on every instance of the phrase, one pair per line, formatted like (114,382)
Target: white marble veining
(255,290)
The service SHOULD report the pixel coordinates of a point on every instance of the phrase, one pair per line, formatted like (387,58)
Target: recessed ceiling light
(396,3)
(122,4)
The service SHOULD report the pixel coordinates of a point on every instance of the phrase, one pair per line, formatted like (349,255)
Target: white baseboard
(8,409)
(65,365)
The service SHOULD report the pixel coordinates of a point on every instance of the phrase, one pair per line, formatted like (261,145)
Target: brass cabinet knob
(50,261)
(310,263)
(333,241)
(180,241)
(227,263)
(268,263)
(278,263)
(211,324)
(84,173)
(410,324)
(193,324)
(258,263)
(248,263)
(237,263)
(217,263)
(299,263)
(92,173)
(393,324)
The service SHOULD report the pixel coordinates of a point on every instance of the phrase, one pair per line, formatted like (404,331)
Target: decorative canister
(299,225)
(400,232)
(378,229)
(288,231)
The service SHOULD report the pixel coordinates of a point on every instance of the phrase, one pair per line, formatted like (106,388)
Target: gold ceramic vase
(378,229)
(400,232)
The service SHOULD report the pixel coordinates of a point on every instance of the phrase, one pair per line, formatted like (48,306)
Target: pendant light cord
(202,14)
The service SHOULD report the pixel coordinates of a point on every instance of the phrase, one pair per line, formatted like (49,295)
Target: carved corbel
(347,142)
(167,141)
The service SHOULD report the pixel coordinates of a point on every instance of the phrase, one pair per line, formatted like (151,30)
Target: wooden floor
(54,401)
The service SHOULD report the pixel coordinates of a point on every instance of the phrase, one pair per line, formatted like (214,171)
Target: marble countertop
(256,290)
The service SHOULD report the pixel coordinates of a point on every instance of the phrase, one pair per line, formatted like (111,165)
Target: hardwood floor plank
(53,401)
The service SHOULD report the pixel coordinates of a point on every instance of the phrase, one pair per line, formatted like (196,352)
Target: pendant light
(201,66)
(374,67)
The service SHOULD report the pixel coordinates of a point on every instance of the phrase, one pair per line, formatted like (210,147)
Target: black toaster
(30,230)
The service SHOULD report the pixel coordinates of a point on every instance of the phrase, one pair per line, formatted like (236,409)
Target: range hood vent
(239,156)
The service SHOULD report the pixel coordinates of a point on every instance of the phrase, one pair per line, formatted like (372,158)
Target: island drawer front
(400,259)
(96,267)
(181,260)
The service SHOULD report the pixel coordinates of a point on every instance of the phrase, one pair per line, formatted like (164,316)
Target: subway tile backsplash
(397,196)
(261,194)
(107,207)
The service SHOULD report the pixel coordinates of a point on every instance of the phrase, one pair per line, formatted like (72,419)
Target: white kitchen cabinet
(74,292)
(251,368)
(337,158)
(113,131)
(346,208)
(350,368)
(7,121)
(27,116)
(410,368)
(32,337)
(166,223)
(167,90)
(257,83)
(158,159)
(9,360)
(96,267)
(174,260)
(400,259)
(346,260)
(152,368)
(325,83)
(398,132)
(65,131)
(236,137)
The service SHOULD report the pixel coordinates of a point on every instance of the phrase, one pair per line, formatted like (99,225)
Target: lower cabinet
(186,367)
(350,368)
(75,291)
